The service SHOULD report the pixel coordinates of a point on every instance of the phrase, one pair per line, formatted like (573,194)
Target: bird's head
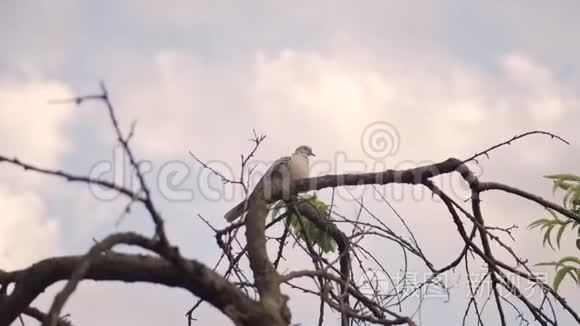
(305,150)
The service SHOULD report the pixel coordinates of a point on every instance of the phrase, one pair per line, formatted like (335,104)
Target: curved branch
(201,281)
(80,271)
(267,279)
(484,186)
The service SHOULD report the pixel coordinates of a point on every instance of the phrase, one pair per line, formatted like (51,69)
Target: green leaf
(574,276)
(569,259)
(547,236)
(566,199)
(560,232)
(304,229)
(564,176)
(561,274)
(537,223)
(554,215)
(574,198)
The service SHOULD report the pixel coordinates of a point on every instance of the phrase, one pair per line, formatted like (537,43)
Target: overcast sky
(437,78)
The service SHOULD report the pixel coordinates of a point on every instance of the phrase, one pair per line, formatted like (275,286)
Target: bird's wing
(279,164)
(274,174)
(275,177)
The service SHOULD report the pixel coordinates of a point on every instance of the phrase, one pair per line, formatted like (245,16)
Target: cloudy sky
(436,78)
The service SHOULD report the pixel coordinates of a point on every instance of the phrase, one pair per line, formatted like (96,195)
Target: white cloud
(440,108)
(32,131)
(536,88)
(174,97)
(27,235)
(437,106)
(31,127)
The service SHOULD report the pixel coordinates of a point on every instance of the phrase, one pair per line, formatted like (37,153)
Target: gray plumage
(280,174)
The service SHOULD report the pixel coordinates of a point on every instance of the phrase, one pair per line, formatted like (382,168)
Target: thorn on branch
(509,142)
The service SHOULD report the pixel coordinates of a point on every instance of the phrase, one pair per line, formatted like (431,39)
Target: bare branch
(71,177)
(485,186)
(514,138)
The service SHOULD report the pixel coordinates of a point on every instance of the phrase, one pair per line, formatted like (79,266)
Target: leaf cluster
(569,265)
(302,227)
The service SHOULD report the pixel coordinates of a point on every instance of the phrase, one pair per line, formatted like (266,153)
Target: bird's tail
(235,212)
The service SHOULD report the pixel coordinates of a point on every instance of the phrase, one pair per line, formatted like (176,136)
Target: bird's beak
(312,154)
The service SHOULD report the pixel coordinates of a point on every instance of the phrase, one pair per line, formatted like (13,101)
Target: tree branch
(201,281)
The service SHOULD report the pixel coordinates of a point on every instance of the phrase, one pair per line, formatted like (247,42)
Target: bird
(281,173)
